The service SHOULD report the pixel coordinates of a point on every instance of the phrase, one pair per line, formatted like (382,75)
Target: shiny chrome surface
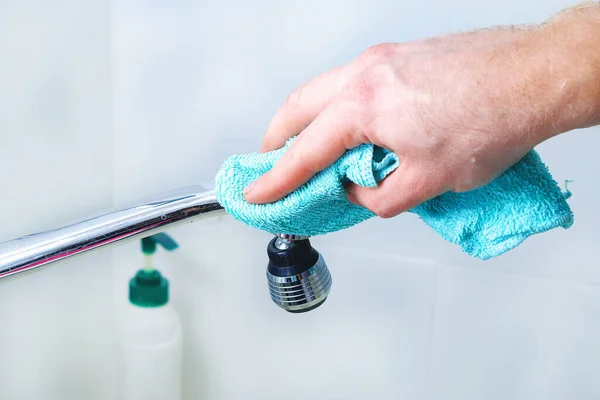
(284,241)
(290,238)
(303,291)
(135,221)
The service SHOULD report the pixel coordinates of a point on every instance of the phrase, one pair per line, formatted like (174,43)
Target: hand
(458,111)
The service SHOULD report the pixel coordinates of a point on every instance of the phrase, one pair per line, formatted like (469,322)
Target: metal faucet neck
(136,221)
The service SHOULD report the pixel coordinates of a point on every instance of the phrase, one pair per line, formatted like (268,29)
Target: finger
(319,145)
(404,189)
(302,106)
(352,199)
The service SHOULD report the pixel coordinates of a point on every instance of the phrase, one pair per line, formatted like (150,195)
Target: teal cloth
(485,222)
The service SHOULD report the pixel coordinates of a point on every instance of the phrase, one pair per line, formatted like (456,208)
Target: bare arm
(458,109)
(572,42)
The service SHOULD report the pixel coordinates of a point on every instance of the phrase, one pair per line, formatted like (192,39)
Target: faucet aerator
(298,277)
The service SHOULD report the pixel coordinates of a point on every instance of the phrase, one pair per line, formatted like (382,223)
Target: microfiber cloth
(484,222)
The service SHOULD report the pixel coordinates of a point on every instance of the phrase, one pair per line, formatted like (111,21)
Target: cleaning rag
(484,222)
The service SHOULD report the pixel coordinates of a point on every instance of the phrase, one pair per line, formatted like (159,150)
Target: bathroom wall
(163,92)
(56,162)
(410,316)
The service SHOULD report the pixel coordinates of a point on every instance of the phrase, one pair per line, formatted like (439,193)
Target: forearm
(570,61)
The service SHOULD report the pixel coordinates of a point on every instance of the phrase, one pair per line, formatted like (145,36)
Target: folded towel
(485,222)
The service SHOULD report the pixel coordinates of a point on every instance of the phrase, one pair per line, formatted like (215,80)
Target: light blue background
(105,102)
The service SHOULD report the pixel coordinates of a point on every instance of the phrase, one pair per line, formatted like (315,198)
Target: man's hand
(458,110)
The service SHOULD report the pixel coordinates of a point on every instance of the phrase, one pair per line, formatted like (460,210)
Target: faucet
(298,278)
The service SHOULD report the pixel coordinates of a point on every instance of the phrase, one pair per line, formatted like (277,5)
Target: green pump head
(149,243)
(148,288)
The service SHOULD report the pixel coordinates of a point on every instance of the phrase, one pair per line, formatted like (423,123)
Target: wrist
(569,58)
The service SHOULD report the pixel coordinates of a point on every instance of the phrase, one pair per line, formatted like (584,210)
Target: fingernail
(248,188)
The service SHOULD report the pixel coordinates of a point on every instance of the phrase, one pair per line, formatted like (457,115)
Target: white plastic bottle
(151,341)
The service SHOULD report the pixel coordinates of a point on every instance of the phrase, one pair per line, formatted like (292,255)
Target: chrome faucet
(297,274)
(134,221)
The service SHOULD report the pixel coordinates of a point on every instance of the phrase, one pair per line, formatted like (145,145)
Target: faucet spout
(135,221)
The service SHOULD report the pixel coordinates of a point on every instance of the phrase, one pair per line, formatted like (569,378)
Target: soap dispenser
(151,335)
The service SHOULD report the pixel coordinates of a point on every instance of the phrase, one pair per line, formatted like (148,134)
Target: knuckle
(382,209)
(270,184)
(347,122)
(298,162)
(291,159)
(295,97)
(377,53)
(371,86)
(384,213)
